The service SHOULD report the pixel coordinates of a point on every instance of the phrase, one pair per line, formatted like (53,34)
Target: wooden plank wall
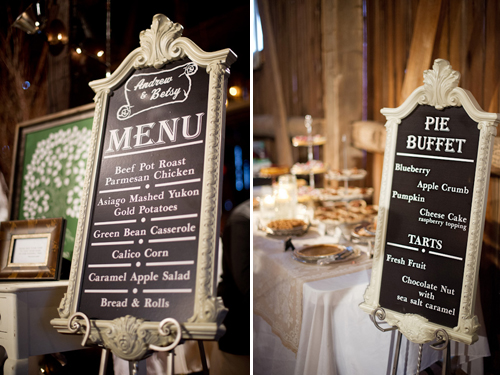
(297,34)
(319,48)
(467,35)
(465,32)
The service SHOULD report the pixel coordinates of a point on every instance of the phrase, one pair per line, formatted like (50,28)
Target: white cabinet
(26,309)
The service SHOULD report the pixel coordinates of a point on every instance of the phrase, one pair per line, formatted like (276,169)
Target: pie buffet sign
(144,262)
(432,207)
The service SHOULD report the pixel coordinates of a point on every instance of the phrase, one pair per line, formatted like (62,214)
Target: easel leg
(419,359)
(137,368)
(446,361)
(444,341)
(380,314)
(203,357)
(170,362)
(396,354)
(133,367)
(104,361)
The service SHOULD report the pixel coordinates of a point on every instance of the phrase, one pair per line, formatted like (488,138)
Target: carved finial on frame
(439,84)
(156,43)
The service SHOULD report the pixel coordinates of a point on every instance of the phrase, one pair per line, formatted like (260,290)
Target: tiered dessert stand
(312,167)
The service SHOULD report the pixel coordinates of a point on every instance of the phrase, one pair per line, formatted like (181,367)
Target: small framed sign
(432,208)
(31,249)
(146,245)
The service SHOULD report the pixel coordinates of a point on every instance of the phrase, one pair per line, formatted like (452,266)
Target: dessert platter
(323,254)
(325,195)
(350,174)
(311,166)
(306,140)
(364,233)
(285,227)
(273,171)
(354,212)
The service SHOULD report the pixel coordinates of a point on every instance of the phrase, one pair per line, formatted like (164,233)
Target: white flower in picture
(55,175)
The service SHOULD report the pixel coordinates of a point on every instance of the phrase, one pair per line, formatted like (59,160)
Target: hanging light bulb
(57,36)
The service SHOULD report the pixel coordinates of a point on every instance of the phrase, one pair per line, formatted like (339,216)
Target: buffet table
(279,280)
(307,319)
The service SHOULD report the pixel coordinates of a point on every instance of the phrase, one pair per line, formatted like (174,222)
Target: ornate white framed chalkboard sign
(144,263)
(432,207)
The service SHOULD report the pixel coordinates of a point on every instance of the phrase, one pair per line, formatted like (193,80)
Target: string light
(234,91)
(100,53)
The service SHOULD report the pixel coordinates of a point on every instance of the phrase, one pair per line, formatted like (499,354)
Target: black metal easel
(441,344)
(134,368)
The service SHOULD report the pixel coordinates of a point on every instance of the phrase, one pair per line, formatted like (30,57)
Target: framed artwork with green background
(49,169)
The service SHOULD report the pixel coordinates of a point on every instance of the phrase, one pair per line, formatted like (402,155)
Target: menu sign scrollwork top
(145,250)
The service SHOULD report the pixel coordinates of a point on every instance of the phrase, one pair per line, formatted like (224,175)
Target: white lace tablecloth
(278,281)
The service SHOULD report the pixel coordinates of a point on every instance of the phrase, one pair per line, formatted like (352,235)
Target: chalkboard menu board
(145,217)
(431,211)
(144,265)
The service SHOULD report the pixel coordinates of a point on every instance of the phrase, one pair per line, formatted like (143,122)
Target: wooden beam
(282,139)
(456,38)
(422,45)
(476,56)
(58,67)
(342,56)
(492,54)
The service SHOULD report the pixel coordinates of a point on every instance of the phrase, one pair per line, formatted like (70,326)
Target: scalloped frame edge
(440,90)
(160,45)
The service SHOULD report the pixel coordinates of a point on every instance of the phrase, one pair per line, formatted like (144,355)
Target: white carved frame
(439,90)
(159,45)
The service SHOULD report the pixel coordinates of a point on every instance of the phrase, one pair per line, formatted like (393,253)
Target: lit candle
(284,208)
(267,207)
(288,182)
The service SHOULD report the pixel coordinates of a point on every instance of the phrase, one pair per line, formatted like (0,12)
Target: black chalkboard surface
(141,252)
(429,214)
